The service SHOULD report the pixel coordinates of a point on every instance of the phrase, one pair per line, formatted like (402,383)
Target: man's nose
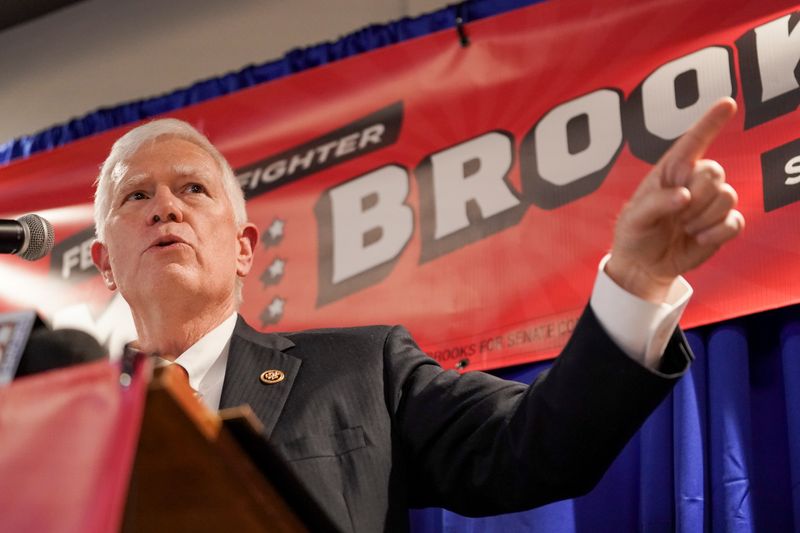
(166,208)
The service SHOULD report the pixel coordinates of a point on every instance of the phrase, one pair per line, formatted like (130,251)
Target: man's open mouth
(167,241)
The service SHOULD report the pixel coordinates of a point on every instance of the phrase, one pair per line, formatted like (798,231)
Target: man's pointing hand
(681,213)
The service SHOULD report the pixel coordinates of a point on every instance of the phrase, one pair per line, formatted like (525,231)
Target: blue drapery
(370,38)
(722,453)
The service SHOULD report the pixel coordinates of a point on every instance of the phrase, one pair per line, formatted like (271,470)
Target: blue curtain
(370,38)
(722,453)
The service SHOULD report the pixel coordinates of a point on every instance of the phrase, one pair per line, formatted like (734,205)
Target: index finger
(693,144)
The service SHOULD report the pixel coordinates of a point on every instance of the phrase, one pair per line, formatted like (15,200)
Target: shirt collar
(200,356)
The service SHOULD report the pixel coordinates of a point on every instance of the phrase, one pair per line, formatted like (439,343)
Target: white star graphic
(276,268)
(276,228)
(276,307)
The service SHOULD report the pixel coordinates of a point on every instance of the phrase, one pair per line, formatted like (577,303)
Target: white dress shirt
(206,359)
(640,328)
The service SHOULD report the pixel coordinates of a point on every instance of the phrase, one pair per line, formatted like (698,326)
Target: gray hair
(114,168)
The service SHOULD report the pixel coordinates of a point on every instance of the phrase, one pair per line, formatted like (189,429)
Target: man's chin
(170,280)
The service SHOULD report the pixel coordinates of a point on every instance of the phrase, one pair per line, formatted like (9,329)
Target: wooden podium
(190,470)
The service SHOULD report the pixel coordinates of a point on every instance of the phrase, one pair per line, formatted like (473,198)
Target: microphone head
(51,349)
(40,237)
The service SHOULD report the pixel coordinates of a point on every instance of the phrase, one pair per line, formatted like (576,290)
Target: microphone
(30,236)
(51,349)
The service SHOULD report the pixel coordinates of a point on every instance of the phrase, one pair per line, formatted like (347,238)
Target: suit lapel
(251,353)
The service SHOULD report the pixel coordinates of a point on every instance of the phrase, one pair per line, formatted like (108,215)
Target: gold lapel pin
(270,377)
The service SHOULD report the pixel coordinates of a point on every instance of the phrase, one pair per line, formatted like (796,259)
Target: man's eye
(195,188)
(138,195)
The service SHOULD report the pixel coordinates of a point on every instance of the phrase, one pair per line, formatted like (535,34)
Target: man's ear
(247,239)
(101,261)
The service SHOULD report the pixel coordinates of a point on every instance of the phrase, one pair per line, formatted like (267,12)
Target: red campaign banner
(469,192)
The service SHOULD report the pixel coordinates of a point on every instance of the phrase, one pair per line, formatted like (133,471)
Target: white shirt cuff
(642,329)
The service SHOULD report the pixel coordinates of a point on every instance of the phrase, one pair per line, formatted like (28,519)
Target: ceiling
(15,12)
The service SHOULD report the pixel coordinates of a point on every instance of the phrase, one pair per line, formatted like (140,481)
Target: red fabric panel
(67,448)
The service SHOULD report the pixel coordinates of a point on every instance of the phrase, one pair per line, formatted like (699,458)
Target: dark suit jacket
(373,426)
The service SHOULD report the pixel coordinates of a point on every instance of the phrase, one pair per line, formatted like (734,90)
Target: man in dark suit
(371,424)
